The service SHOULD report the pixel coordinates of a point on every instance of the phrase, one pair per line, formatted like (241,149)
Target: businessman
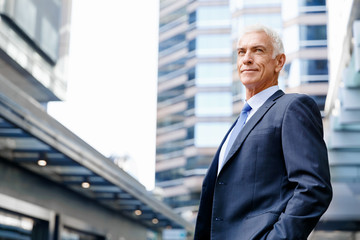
(270,176)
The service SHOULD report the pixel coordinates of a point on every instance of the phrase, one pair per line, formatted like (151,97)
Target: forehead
(254,39)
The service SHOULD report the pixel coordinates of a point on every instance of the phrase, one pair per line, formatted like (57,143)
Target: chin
(247,81)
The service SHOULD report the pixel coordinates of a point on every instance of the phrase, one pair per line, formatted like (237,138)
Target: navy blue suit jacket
(275,183)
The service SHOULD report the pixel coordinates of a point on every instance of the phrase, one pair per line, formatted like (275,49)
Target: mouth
(248,70)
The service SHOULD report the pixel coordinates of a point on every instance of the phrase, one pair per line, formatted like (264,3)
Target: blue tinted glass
(314,67)
(210,134)
(272,20)
(213,74)
(312,2)
(171,67)
(213,16)
(213,104)
(314,32)
(213,45)
(171,42)
(260,3)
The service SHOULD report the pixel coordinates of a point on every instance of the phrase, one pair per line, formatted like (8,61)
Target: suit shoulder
(291,98)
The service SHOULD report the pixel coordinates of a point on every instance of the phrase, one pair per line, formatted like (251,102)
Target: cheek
(238,65)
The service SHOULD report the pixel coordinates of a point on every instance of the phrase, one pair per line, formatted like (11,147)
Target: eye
(241,52)
(259,50)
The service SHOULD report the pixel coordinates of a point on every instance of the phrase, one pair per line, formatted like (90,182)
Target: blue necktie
(237,128)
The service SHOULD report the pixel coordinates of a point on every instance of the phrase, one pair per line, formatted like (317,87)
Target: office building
(305,41)
(194,96)
(53,185)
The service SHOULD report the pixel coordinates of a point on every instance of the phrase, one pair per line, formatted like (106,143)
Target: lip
(248,70)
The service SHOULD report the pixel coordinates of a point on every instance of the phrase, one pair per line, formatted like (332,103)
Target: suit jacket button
(218,219)
(222,183)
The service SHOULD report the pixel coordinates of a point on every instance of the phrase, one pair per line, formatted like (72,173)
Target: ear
(280,61)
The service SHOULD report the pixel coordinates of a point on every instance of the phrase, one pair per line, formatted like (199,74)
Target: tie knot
(246,108)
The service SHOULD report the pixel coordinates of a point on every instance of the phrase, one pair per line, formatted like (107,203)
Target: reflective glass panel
(213,74)
(314,32)
(312,2)
(272,20)
(213,104)
(213,16)
(210,134)
(314,67)
(213,45)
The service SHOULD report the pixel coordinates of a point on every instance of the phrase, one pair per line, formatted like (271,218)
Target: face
(256,66)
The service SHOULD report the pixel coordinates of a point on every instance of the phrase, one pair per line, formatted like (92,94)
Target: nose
(247,58)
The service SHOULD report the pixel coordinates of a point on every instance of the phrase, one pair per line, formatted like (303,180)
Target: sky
(112,80)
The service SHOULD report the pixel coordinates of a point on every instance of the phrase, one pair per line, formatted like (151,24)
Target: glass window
(181,12)
(213,74)
(213,16)
(192,45)
(170,147)
(165,3)
(213,104)
(312,2)
(171,93)
(167,175)
(210,134)
(192,17)
(239,4)
(272,20)
(314,67)
(25,14)
(168,43)
(72,234)
(172,67)
(198,162)
(188,199)
(39,24)
(49,38)
(215,45)
(17,226)
(314,32)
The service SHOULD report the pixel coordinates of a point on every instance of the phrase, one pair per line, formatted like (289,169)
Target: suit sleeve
(306,162)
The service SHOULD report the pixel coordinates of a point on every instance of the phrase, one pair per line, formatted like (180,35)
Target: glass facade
(313,32)
(269,19)
(194,96)
(240,4)
(38,22)
(314,70)
(17,226)
(212,17)
(210,134)
(312,2)
(213,45)
(213,104)
(213,74)
(306,43)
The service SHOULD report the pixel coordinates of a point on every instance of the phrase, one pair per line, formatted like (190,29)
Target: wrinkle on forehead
(253,39)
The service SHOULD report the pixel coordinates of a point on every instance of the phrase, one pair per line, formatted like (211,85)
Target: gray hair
(278,47)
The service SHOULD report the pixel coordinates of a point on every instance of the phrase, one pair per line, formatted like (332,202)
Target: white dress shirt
(255,103)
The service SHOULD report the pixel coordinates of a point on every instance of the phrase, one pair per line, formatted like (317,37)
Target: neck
(252,92)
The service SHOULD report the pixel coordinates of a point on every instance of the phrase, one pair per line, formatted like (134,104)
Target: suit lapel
(213,169)
(252,123)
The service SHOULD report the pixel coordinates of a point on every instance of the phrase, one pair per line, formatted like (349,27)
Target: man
(270,177)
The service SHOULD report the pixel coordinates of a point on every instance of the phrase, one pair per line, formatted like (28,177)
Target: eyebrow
(252,47)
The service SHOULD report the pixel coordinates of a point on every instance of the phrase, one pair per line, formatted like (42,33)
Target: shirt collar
(260,98)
